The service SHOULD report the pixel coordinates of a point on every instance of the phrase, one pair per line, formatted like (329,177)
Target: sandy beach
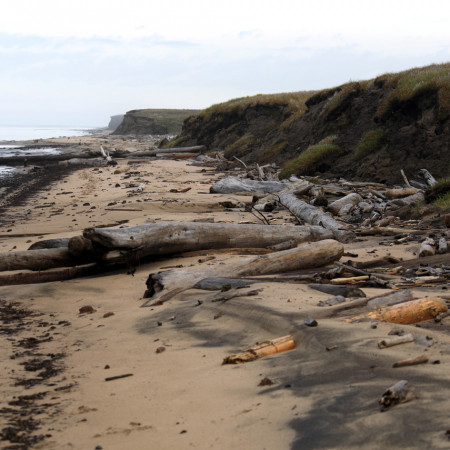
(172,391)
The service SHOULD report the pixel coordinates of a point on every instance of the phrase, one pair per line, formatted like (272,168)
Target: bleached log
(431,181)
(427,248)
(350,199)
(230,185)
(164,285)
(41,259)
(314,216)
(442,245)
(177,237)
(410,200)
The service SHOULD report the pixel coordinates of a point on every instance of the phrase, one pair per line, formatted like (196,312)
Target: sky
(65,62)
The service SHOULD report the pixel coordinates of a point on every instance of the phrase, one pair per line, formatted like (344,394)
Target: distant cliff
(367,130)
(154,121)
(115,121)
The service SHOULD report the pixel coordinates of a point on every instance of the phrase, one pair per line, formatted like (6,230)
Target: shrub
(370,142)
(175,142)
(311,158)
(275,150)
(439,193)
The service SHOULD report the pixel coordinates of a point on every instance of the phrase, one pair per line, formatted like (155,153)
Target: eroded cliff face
(154,121)
(396,121)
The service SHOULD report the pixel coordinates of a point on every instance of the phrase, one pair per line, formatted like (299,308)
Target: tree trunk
(314,216)
(173,237)
(164,285)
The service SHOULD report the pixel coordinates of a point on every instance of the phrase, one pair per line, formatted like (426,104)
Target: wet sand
(56,360)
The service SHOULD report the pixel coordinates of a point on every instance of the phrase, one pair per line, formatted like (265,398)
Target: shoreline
(112,374)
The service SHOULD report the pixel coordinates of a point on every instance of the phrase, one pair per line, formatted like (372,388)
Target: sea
(10,134)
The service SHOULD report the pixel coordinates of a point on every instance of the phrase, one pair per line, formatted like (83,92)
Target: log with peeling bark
(409,312)
(262,349)
(176,237)
(164,285)
(314,216)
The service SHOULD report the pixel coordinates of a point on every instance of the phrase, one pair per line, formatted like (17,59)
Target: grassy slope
(364,119)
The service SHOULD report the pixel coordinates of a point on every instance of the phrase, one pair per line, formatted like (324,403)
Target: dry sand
(183,397)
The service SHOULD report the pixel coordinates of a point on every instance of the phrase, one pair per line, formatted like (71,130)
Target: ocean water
(19,133)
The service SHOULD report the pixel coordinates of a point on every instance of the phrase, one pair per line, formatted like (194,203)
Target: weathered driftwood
(173,237)
(314,216)
(410,200)
(408,312)
(427,248)
(398,393)
(387,299)
(396,340)
(422,359)
(262,349)
(233,293)
(52,275)
(350,199)
(230,185)
(49,243)
(403,192)
(426,175)
(157,151)
(164,285)
(42,259)
(223,283)
(345,291)
(442,245)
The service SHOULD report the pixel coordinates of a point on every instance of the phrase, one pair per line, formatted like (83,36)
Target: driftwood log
(314,216)
(41,259)
(230,185)
(164,285)
(157,151)
(398,393)
(173,237)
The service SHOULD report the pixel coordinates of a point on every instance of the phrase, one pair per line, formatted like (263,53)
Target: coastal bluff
(154,121)
(367,130)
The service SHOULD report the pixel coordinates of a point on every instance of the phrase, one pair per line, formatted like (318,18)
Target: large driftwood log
(42,259)
(350,199)
(314,216)
(175,237)
(164,285)
(157,151)
(230,185)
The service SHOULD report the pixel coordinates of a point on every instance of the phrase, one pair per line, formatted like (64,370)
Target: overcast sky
(66,62)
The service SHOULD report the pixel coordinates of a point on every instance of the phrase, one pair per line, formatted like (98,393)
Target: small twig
(404,177)
(262,217)
(117,377)
(242,162)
